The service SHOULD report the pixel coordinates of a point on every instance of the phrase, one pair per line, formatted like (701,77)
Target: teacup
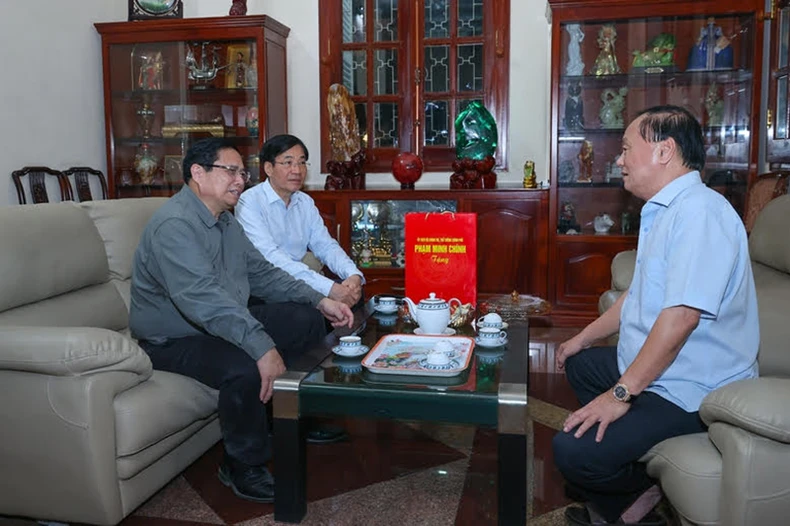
(438,358)
(444,347)
(491,336)
(350,344)
(387,303)
(492,319)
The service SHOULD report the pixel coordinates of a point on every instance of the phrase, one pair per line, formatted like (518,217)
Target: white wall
(51,104)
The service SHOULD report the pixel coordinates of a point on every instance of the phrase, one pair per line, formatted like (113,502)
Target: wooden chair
(37,183)
(766,187)
(82,187)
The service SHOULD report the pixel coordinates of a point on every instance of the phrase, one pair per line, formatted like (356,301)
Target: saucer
(498,343)
(449,331)
(502,326)
(452,364)
(384,310)
(356,351)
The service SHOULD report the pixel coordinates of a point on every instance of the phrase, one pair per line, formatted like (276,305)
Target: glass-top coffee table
(491,392)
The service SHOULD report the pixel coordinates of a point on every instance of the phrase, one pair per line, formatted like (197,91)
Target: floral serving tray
(407,354)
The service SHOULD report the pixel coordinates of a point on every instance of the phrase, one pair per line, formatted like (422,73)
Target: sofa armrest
(757,405)
(70,351)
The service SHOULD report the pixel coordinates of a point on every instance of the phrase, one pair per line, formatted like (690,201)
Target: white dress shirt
(284,234)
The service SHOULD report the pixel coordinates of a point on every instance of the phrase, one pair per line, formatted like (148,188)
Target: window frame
(496,60)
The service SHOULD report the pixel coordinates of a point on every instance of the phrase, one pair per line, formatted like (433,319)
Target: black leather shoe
(253,483)
(326,435)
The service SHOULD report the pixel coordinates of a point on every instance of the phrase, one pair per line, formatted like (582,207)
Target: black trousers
(223,366)
(607,473)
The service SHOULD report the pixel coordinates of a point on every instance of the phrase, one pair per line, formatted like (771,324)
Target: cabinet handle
(500,49)
(398,288)
(328,57)
(338,231)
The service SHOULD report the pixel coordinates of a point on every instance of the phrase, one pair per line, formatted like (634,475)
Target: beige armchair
(738,473)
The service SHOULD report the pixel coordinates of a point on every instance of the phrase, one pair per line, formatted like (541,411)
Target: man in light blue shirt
(283,223)
(688,325)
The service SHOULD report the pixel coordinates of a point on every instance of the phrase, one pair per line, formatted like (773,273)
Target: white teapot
(432,313)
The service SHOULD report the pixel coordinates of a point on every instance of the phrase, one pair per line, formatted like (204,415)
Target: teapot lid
(432,300)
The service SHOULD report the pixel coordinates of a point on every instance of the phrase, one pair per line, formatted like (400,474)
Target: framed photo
(240,65)
(148,9)
(173,173)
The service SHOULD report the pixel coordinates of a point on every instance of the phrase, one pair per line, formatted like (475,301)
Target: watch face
(620,392)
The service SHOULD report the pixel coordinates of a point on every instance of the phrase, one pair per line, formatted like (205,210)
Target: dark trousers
(223,366)
(607,473)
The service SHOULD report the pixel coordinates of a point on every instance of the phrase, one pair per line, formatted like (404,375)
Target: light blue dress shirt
(693,251)
(284,235)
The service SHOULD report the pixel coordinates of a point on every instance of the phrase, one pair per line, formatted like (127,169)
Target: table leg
(290,466)
(513,459)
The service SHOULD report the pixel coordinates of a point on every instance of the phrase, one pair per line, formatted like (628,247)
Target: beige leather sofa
(738,473)
(87,430)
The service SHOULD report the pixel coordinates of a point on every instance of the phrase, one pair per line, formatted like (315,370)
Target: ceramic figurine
(530,179)
(575,66)
(602,223)
(606,61)
(712,50)
(574,108)
(567,223)
(625,223)
(714,106)
(586,157)
(659,55)
(612,110)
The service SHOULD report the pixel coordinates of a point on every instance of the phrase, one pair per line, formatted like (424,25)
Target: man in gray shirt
(193,274)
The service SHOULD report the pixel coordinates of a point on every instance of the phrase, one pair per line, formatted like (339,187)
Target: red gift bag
(441,256)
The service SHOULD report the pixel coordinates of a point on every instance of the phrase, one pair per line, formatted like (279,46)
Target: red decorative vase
(407,169)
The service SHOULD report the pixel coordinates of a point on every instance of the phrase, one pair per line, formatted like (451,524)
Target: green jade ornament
(475,132)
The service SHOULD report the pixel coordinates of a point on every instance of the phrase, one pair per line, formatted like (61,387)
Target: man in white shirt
(283,223)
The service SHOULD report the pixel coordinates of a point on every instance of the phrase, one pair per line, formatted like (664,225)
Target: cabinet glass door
(611,70)
(377,229)
(167,95)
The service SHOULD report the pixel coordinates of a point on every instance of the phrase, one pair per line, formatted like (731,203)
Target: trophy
(145,115)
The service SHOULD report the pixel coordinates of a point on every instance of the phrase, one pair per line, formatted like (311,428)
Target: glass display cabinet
(377,229)
(168,83)
(605,69)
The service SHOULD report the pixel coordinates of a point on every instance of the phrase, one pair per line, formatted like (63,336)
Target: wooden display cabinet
(512,233)
(168,83)
(661,55)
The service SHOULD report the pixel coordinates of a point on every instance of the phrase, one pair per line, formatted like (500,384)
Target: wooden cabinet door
(331,213)
(583,274)
(512,244)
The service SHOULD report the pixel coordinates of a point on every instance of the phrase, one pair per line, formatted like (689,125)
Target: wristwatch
(621,392)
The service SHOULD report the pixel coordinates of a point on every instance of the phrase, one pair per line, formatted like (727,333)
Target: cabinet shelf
(657,80)
(211,94)
(246,140)
(611,184)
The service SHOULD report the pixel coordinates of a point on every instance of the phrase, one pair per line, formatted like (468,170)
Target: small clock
(148,9)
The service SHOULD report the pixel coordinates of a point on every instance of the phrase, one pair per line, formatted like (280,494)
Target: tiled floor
(394,473)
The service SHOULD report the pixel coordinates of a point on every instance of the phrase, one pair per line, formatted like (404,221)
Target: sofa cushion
(47,250)
(689,468)
(162,406)
(773,294)
(623,269)
(769,243)
(120,223)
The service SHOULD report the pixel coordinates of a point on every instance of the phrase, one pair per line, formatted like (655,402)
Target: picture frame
(240,63)
(173,168)
(153,9)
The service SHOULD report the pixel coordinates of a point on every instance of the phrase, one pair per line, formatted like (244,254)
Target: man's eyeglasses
(302,165)
(232,170)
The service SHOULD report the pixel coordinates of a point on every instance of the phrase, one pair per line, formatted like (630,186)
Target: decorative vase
(407,169)
(145,164)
